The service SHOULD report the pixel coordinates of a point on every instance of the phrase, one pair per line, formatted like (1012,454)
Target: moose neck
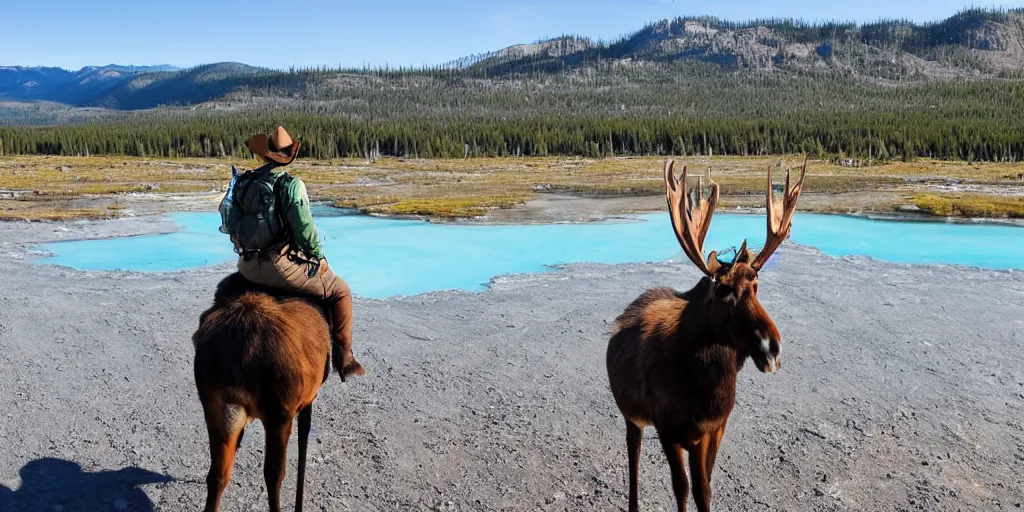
(710,341)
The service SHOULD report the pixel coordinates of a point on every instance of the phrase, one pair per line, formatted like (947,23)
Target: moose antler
(691,214)
(780,217)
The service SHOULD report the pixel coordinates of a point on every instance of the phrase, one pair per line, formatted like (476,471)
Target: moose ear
(713,264)
(744,255)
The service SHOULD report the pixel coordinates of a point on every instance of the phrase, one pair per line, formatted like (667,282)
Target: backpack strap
(281,184)
(284,180)
(240,193)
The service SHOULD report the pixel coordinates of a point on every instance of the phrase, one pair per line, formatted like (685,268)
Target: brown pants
(283,271)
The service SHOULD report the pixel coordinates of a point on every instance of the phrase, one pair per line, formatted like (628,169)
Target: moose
(260,354)
(673,357)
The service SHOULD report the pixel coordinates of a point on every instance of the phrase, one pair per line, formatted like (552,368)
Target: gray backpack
(254,218)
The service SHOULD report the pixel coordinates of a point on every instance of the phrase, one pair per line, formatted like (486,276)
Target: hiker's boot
(346,363)
(341,330)
(342,356)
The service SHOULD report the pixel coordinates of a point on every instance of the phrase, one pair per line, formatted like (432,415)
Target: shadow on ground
(59,485)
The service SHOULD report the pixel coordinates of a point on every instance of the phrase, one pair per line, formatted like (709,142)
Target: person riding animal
(272,228)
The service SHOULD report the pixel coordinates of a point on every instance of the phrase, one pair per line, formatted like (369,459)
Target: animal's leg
(674,453)
(634,439)
(224,424)
(276,458)
(305,421)
(716,443)
(700,475)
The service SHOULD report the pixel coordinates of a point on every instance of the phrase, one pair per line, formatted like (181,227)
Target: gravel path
(903,389)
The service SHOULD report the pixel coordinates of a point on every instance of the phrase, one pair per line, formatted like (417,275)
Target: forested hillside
(886,90)
(719,114)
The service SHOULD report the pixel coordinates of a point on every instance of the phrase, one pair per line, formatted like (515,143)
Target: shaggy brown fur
(258,356)
(672,364)
(673,357)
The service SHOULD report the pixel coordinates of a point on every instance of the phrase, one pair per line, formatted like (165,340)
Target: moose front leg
(699,473)
(674,453)
(716,443)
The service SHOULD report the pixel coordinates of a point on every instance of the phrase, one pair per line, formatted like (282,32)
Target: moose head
(735,310)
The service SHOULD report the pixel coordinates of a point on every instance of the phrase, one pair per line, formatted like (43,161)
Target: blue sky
(72,33)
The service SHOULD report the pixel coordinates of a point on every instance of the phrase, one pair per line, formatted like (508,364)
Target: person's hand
(315,268)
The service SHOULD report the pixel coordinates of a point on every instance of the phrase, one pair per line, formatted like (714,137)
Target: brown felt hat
(276,147)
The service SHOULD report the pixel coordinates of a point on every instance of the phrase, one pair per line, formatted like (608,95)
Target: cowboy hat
(276,147)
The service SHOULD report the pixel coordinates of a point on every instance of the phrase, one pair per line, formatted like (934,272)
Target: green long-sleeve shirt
(296,213)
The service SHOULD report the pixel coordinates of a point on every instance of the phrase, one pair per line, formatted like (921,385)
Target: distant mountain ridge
(86,69)
(972,43)
(69,87)
(975,43)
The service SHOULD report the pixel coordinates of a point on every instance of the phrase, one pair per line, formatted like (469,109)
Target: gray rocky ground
(902,389)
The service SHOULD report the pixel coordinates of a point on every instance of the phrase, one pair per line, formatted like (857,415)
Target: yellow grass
(456,188)
(971,205)
(54,214)
(449,207)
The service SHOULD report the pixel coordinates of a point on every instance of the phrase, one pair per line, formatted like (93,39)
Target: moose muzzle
(769,355)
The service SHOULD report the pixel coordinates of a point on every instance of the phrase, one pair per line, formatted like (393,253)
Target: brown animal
(673,357)
(259,355)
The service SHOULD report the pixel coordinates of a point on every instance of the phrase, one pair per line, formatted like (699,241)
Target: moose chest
(696,396)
